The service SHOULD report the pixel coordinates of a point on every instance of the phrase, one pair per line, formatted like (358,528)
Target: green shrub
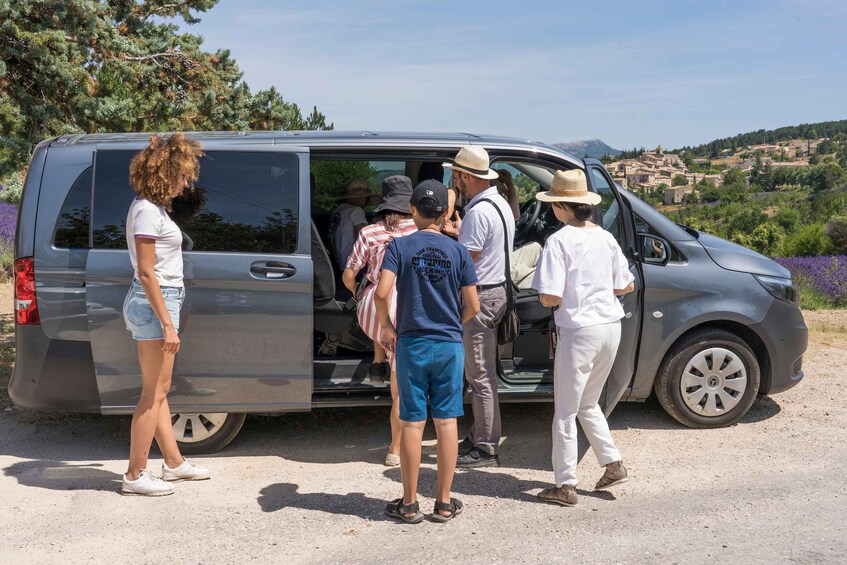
(13,187)
(810,241)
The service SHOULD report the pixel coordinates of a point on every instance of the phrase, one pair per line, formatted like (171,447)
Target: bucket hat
(569,186)
(358,188)
(396,193)
(473,160)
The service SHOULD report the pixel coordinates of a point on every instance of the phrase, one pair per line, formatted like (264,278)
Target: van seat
(529,308)
(323,274)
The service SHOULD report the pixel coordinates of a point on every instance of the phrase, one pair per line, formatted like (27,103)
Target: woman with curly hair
(159,173)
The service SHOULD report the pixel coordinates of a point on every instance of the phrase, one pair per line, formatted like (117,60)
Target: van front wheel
(199,432)
(709,379)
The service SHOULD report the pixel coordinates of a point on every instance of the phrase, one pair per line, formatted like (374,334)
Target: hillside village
(676,175)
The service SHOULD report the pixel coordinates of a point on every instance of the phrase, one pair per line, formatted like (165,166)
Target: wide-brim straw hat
(396,193)
(569,186)
(473,160)
(359,189)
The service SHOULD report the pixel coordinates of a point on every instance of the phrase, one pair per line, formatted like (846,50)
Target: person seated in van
(581,273)
(348,219)
(430,272)
(159,173)
(392,219)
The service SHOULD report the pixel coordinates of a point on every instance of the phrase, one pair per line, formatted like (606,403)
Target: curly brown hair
(155,170)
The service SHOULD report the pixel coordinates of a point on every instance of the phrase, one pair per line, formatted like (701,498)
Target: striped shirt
(369,248)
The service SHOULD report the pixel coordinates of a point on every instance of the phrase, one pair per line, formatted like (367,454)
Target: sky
(632,73)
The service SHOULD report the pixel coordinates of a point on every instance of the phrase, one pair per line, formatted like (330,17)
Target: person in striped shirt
(393,219)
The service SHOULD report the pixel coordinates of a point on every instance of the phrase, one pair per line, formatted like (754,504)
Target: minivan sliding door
(246,324)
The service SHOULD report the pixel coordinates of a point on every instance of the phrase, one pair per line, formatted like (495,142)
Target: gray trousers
(480,340)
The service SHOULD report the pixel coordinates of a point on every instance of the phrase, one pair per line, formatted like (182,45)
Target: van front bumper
(786,337)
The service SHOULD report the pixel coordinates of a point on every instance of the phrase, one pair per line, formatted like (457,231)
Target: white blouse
(584,266)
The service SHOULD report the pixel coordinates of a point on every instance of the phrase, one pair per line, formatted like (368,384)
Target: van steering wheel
(529,216)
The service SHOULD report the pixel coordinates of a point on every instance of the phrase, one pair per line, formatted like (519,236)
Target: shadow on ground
(60,475)
(328,436)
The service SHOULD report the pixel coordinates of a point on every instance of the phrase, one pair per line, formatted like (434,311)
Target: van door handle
(272,269)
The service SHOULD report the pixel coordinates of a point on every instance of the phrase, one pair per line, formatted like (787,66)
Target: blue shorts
(139,316)
(430,369)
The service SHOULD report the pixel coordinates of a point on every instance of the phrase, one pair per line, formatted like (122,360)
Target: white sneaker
(188,471)
(146,485)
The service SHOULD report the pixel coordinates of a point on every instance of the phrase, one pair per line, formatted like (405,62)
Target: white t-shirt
(584,266)
(341,230)
(148,220)
(482,230)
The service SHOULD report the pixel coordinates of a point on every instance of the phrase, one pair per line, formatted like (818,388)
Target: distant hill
(803,131)
(588,148)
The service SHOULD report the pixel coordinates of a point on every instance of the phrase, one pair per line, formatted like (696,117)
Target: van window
(74,220)
(608,207)
(243,202)
(332,175)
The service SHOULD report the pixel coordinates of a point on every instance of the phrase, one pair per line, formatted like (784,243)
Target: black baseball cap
(430,196)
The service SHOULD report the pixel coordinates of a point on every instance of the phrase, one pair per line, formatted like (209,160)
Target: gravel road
(309,488)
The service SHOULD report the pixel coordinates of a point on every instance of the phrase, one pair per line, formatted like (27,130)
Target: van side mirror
(654,250)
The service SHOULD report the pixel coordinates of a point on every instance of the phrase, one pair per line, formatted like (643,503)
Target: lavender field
(8,220)
(822,280)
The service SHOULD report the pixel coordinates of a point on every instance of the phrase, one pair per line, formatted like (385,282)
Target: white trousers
(584,358)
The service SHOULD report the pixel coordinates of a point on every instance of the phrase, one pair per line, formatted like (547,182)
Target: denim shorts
(139,316)
(429,369)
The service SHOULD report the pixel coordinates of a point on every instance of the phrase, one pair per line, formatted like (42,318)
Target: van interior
(342,351)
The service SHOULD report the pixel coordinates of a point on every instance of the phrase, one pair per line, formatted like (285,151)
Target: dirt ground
(307,488)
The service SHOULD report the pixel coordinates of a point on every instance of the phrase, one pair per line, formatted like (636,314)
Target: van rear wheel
(709,379)
(199,432)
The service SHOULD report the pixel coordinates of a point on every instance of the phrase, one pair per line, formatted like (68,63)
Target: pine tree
(79,66)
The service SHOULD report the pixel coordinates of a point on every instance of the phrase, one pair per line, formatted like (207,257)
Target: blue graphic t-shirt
(431,269)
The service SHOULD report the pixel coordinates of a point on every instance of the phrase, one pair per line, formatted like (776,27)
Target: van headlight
(783,289)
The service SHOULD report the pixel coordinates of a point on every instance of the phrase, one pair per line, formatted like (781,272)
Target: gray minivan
(266,329)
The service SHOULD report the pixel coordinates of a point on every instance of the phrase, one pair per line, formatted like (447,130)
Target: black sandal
(395,509)
(454,507)
(378,372)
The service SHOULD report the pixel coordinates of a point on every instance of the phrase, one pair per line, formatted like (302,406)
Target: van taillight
(26,309)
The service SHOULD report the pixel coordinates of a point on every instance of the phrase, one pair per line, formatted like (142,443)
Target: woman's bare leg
(165,436)
(396,424)
(153,395)
(379,353)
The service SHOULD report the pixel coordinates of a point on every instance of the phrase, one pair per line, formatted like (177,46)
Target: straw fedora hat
(358,188)
(569,186)
(473,160)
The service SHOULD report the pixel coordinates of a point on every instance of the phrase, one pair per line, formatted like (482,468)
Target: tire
(201,433)
(708,396)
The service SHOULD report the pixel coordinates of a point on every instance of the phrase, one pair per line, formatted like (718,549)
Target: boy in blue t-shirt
(430,270)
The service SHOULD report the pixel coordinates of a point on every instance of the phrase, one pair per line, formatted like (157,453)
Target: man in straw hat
(483,231)
(581,272)
(348,218)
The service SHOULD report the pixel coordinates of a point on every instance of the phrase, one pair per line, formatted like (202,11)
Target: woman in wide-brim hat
(393,219)
(581,272)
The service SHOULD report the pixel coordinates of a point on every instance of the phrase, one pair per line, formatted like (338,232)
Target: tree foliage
(75,66)
(679,180)
(802,131)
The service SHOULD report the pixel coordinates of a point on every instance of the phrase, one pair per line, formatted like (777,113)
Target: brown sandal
(564,495)
(615,474)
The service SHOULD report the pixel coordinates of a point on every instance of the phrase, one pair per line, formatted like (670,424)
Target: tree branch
(160,9)
(151,57)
